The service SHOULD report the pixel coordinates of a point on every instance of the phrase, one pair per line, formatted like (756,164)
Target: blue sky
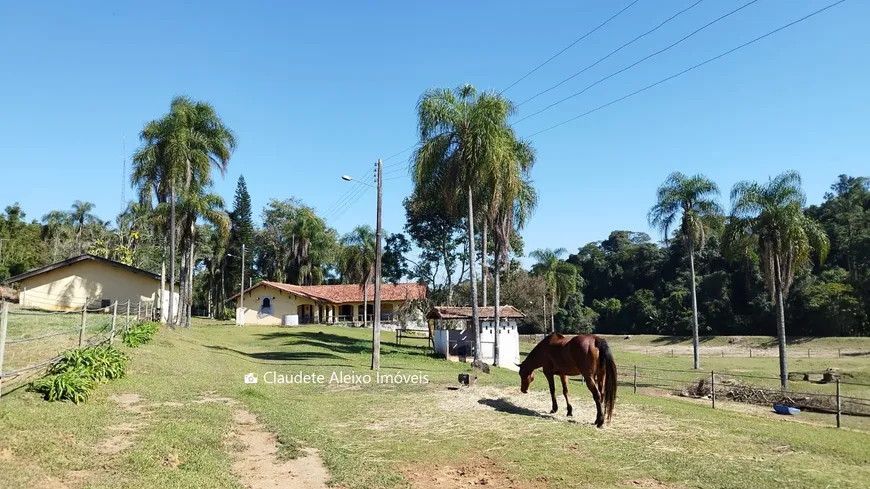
(315,90)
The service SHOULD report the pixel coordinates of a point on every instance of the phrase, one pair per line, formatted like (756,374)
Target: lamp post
(376,325)
(240,319)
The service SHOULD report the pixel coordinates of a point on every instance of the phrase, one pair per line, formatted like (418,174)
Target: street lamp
(376,325)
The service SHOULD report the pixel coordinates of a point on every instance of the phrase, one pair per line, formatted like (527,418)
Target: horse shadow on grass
(503,405)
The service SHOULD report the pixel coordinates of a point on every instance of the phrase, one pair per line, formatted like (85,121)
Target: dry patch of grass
(481,471)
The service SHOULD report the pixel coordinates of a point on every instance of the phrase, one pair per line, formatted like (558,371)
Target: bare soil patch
(649,484)
(130,402)
(479,472)
(258,465)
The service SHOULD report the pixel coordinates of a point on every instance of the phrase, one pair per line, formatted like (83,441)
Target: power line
(351,204)
(343,196)
(584,36)
(726,53)
(358,190)
(639,61)
(620,48)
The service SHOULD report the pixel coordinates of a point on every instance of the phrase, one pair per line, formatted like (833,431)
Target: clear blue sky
(315,90)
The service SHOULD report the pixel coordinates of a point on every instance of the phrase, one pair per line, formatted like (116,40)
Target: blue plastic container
(783,409)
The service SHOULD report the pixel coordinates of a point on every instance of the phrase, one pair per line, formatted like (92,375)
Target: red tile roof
(445,312)
(341,294)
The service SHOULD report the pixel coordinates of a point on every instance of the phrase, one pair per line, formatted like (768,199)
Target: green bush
(72,385)
(80,370)
(100,363)
(140,333)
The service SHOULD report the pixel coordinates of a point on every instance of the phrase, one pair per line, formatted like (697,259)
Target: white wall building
(454,337)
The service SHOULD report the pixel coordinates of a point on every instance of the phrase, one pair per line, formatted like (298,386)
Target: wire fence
(33,337)
(731,351)
(820,392)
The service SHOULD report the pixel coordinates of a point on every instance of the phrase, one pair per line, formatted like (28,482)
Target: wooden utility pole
(376,325)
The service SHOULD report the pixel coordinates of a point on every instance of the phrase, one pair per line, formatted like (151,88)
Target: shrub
(80,370)
(72,385)
(140,333)
(100,363)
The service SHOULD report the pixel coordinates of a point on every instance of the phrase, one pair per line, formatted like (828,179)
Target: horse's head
(526,378)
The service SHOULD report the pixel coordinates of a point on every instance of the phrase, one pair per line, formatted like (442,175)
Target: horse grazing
(586,355)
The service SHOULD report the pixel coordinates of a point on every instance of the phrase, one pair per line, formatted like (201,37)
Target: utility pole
(1,248)
(242,291)
(376,326)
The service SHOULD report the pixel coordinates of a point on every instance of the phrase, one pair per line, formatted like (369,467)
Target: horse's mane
(538,349)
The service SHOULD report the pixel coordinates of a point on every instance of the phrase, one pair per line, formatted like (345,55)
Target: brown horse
(586,355)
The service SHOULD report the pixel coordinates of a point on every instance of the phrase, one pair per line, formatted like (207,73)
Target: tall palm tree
(357,260)
(769,218)
(196,205)
(57,228)
(691,201)
(559,276)
(511,215)
(464,135)
(177,151)
(80,217)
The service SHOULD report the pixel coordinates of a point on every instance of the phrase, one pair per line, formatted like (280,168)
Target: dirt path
(258,465)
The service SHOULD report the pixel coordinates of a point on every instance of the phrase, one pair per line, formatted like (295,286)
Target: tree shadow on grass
(278,356)
(673,340)
(343,344)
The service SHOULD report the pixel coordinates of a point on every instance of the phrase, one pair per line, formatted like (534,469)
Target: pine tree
(241,232)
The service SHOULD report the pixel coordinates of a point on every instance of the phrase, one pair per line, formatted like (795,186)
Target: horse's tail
(606,361)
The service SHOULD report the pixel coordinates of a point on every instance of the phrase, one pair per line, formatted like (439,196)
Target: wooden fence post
(139,312)
(635,378)
(839,353)
(84,323)
(839,406)
(808,353)
(750,353)
(713,388)
(127,321)
(4,318)
(723,352)
(114,317)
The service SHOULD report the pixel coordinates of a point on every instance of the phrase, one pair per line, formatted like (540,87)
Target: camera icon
(250,379)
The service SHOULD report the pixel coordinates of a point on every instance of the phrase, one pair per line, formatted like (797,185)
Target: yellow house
(70,284)
(275,303)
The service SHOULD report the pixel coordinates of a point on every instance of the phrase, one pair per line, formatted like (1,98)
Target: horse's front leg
(565,393)
(552,383)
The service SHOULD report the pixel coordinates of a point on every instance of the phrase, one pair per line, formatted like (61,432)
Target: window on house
(105,303)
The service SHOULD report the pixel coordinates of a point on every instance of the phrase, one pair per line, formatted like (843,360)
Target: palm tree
(357,260)
(195,205)
(559,276)
(57,228)
(691,201)
(769,218)
(177,151)
(80,217)
(510,216)
(464,135)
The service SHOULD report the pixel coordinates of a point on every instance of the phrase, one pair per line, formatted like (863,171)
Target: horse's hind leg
(565,393)
(552,392)
(596,395)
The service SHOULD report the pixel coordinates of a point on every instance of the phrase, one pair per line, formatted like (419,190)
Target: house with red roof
(275,303)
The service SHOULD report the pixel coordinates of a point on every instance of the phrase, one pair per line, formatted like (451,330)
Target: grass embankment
(388,435)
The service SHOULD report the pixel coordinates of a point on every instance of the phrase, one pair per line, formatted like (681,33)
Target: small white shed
(454,337)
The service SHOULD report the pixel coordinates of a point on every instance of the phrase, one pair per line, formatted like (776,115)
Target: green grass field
(174,421)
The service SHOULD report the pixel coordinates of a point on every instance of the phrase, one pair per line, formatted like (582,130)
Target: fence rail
(730,351)
(29,334)
(819,397)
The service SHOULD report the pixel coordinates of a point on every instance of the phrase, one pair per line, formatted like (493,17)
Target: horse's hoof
(553,411)
(570,413)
